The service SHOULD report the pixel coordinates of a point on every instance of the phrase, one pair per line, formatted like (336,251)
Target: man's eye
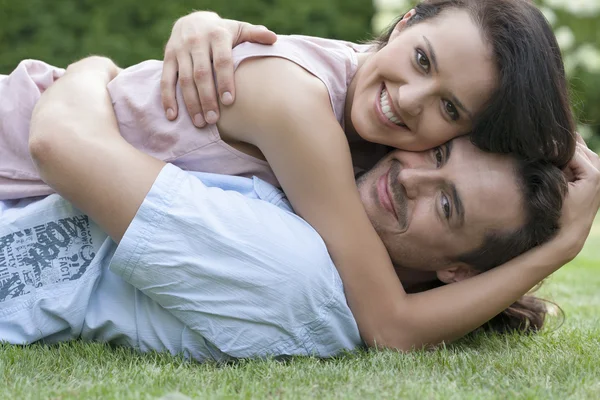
(446,206)
(439,156)
(451,110)
(422,60)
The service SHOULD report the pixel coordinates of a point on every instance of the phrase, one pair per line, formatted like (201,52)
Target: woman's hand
(581,203)
(200,41)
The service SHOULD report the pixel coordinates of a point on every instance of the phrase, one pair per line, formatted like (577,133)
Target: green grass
(561,363)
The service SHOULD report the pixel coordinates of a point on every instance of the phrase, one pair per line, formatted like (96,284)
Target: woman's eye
(422,60)
(439,156)
(451,110)
(446,206)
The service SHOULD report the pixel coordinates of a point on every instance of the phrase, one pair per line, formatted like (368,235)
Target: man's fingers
(168,85)
(188,89)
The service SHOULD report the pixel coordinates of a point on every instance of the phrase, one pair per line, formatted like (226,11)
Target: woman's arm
(294,127)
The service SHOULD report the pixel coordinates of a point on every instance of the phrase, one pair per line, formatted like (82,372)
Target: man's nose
(412,97)
(419,181)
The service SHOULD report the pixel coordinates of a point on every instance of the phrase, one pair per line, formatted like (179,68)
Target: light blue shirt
(212,266)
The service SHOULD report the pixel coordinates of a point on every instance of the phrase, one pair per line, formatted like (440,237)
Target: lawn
(558,363)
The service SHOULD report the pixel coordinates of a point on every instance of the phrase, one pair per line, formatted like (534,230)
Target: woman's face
(425,86)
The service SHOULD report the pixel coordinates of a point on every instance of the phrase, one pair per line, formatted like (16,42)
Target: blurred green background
(129,31)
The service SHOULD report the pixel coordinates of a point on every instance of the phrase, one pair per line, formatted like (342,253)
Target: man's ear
(456,273)
(402,23)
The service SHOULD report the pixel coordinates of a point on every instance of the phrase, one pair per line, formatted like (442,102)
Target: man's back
(204,289)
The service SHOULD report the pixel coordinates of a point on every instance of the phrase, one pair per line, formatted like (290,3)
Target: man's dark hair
(544,187)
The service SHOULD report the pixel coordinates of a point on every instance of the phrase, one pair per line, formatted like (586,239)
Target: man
(221,267)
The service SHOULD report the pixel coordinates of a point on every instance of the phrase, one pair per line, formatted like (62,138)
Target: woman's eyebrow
(454,99)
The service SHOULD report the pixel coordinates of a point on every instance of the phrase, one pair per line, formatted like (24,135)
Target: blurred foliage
(577,27)
(576,24)
(130,31)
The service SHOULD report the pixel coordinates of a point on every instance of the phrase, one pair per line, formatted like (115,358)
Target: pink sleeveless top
(139,109)
(135,93)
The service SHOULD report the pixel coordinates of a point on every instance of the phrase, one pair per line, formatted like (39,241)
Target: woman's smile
(385,107)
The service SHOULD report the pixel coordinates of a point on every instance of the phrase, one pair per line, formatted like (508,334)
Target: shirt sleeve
(250,277)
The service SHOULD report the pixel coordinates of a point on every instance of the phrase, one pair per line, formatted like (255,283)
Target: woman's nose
(411,98)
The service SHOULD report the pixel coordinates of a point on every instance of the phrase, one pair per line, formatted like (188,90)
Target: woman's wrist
(563,248)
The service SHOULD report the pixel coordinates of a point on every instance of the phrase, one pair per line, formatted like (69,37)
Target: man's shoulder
(248,215)
(238,241)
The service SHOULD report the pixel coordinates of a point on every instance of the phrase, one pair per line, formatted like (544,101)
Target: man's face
(430,207)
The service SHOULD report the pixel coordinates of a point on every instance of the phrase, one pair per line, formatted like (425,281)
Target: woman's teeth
(387,110)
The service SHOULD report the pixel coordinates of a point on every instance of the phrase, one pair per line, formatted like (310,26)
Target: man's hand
(200,42)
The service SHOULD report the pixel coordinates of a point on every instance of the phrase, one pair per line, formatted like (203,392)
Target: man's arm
(218,261)
(88,162)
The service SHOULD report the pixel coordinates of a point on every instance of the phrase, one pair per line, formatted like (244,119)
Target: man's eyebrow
(454,99)
(458,205)
(448,145)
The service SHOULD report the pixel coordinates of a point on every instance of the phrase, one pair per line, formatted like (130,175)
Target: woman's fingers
(168,85)
(205,101)
(253,33)
(591,156)
(580,139)
(188,88)
(581,203)
(198,53)
(222,56)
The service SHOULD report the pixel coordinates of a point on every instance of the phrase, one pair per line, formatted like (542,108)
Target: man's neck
(415,277)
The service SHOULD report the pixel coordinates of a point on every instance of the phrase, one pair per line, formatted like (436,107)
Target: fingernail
(262,28)
(227,98)
(170,113)
(211,117)
(199,120)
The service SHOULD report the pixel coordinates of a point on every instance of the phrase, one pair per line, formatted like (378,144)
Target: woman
(377,326)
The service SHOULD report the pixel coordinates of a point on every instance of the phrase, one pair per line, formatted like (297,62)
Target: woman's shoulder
(333,62)
(273,97)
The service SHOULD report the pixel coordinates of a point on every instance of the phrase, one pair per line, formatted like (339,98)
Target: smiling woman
(525,57)
(423,91)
